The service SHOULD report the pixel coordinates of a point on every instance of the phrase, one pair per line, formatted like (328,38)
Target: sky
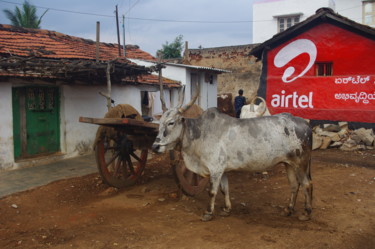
(148,23)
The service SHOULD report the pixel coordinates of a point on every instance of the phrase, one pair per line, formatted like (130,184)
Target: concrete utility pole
(123,33)
(97,40)
(118,33)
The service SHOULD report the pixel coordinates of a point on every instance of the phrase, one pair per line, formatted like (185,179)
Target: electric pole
(118,34)
(123,33)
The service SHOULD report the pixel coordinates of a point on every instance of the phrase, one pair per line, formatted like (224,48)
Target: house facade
(321,69)
(244,69)
(273,16)
(48,80)
(189,76)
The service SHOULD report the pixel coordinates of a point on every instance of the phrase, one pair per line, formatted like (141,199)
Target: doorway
(36,125)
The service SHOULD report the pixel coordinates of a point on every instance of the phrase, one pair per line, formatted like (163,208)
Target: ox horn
(181,96)
(188,105)
(265,105)
(252,104)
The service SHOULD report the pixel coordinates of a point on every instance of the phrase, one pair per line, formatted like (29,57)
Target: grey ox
(216,143)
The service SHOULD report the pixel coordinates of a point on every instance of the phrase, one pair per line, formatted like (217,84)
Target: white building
(189,76)
(48,80)
(273,16)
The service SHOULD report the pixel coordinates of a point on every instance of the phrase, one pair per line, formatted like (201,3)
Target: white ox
(253,111)
(216,143)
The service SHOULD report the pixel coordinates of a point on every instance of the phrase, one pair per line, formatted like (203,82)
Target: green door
(38,129)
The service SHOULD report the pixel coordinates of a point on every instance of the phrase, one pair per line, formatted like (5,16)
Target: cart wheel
(118,163)
(190,183)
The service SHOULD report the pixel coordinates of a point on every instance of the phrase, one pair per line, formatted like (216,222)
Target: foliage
(26,17)
(172,50)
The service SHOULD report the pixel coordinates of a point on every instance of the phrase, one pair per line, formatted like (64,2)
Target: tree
(172,50)
(26,17)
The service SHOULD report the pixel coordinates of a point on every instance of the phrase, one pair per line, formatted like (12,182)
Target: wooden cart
(121,151)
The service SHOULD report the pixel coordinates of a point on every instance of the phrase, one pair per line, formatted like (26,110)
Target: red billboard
(325,73)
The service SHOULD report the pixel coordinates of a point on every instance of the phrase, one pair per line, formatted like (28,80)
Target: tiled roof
(45,45)
(151,79)
(50,44)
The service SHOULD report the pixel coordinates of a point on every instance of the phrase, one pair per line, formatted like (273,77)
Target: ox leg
(307,186)
(215,181)
(294,187)
(224,187)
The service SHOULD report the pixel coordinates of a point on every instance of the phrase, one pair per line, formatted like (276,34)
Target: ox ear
(181,96)
(188,105)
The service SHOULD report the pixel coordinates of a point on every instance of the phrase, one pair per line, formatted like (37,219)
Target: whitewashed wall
(6,127)
(85,101)
(212,93)
(79,101)
(208,92)
(177,73)
(171,72)
(75,101)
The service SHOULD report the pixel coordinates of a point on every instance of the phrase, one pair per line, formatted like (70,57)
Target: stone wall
(245,71)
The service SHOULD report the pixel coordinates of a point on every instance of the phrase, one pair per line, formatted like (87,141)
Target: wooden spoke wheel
(190,183)
(118,163)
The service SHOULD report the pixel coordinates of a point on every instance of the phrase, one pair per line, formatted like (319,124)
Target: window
(286,22)
(323,69)
(368,10)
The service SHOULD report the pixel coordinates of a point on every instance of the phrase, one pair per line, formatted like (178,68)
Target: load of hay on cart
(122,145)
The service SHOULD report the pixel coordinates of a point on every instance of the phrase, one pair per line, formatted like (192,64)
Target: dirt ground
(84,213)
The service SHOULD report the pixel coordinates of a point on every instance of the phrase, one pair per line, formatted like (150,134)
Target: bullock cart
(122,145)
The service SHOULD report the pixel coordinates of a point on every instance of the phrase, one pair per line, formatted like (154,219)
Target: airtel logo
(291,51)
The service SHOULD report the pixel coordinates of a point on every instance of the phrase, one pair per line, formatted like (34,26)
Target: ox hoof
(224,212)
(304,217)
(286,212)
(207,217)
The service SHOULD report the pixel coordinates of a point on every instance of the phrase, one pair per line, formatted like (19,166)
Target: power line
(131,7)
(67,11)
(186,21)
(351,8)
(134,18)
(153,19)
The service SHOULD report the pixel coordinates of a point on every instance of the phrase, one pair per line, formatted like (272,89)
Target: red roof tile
(151,79)
(45,44)
(50,44)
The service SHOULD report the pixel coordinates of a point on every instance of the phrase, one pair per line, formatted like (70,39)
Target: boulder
(366,135)
(334,136)
(343,132)
(356,138)
(340,136)
(336,144)
(349,145)
(343,125)
(326,141)
(331,127)
(317,141)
